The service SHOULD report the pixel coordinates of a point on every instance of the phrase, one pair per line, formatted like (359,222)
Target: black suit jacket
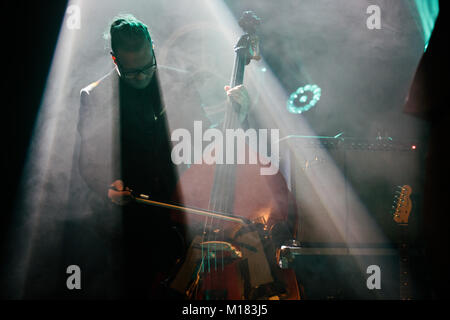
(98,126)
(124,135)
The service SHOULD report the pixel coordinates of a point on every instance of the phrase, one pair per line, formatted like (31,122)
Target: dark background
(28,42)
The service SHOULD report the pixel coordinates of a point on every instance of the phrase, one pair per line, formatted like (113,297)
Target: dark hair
(128,33)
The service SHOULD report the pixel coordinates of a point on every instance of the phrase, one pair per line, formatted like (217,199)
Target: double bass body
(231,260)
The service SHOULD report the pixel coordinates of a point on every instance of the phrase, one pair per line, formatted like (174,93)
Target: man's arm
(96,160)
(93,160)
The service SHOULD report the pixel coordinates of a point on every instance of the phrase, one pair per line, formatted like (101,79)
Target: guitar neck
(401,217)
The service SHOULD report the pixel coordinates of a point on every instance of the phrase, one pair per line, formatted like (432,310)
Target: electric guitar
(402,209)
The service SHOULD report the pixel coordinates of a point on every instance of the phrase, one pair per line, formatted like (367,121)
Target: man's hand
(239,95)
(119,194)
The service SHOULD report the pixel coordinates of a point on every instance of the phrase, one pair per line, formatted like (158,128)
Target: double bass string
(226,173)
(221,197)
(217,202)
(228,177)
(201,246)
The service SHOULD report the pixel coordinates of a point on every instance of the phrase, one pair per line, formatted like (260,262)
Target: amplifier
(337,273)
(346,187)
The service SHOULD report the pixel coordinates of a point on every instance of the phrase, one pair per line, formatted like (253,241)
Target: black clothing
(428,99)
(145,149)
(124,136)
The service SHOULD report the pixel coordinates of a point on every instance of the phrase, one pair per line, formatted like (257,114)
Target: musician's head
(132,51)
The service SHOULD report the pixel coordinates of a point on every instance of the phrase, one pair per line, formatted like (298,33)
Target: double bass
(236,217)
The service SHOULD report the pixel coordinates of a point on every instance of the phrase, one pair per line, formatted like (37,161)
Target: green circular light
(304,98)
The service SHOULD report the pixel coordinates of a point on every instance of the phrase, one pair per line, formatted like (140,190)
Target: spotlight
(304,98)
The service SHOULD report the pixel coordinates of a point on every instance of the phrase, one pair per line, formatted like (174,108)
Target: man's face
(137,68)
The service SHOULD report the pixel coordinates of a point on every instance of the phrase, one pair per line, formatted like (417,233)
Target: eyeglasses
(147,70)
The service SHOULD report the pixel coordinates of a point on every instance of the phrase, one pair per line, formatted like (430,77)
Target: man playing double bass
(125,147)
